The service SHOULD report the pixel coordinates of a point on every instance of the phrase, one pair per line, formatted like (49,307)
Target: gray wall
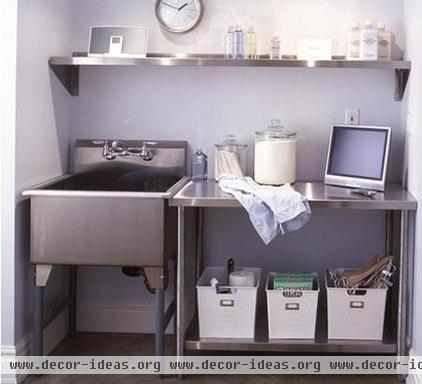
(202,105)
(8,27)
(412,114)
(42,133)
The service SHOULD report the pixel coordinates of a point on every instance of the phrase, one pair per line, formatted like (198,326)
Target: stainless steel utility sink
(113,209)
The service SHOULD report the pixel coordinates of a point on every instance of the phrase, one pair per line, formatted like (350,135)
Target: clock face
(179,16)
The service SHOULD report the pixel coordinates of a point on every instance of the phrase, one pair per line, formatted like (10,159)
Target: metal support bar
(180,339)
(72,299)
(159,322)
(402,349)
(175,296)
(411,273)
(200,243)
(389,230)
(68,75)
(38,320)
(402,78)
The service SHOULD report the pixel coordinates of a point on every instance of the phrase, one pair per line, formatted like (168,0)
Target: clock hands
(177,8)
(170,5)
(184,5)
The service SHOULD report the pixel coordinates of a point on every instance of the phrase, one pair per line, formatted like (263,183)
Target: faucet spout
(118,148)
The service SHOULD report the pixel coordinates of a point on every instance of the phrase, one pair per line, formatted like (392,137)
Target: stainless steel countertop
(208,194)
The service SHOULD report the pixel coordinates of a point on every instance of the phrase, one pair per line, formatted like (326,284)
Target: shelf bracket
(402,77)
(68,75)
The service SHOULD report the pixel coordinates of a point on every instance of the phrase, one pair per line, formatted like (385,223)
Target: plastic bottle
(239,42)
(229,43)
(368,42)
(199,166)
(353,43)
(251,48)
(275,51)
(384,43)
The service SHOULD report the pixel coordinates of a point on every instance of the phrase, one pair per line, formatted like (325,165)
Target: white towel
(271,209)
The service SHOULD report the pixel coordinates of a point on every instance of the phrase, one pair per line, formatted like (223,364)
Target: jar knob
(275,123)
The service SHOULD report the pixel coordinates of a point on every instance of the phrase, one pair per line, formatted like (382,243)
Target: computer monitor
(358,156)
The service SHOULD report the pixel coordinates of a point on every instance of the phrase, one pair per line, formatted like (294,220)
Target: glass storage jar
(231,157)
(275,155)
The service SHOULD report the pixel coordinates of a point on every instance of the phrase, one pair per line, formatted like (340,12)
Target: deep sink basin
(109,212)
(116,181)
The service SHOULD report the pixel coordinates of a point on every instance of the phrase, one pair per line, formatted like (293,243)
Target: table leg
(38,320)
(72,298)
(41,275)
(199,243)
(159,322)
(411,272)
(402,349)
(180,295)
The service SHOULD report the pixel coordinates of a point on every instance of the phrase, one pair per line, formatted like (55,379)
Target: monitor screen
(358,152)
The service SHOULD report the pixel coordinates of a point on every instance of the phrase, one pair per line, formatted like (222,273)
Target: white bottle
(275,50)
(368,42)
(384,43)
(353,43)
(251,50)
(229,43)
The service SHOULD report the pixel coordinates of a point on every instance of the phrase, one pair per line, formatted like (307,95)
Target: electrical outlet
(352,116)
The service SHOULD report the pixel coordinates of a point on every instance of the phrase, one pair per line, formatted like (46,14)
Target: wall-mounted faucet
(118,148)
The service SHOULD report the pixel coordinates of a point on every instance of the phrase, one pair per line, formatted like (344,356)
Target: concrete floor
(111,344)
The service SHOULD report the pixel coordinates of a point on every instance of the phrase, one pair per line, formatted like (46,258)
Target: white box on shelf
(314,49)
(226,315)
(355,315)
(291,313)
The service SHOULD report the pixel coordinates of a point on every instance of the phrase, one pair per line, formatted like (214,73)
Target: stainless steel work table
(194,197)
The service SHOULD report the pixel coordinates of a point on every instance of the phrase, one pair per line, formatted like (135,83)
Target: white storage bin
(291,314)
(355,315)
(226,315)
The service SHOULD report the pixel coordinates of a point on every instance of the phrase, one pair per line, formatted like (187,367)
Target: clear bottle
(275,49)
(229,43)
(199,166)
(239,43)
(368,42)
(353,43)
(384,42)
(251,47)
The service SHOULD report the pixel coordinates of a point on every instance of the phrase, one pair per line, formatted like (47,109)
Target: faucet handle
(108,152)
(146,153)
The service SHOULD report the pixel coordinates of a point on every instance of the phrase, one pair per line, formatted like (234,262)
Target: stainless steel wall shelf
(67,68)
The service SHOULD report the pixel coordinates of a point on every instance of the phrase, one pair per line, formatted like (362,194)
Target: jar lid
(231,142)
(275,131)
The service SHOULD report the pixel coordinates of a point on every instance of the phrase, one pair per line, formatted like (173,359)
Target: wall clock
(179,16)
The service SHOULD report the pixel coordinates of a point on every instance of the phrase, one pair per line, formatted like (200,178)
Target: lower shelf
(321,344)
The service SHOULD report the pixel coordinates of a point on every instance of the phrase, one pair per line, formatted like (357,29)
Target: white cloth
(271,209)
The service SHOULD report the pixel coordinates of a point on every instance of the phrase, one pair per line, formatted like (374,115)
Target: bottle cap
(381,26)
(251,28)
(238,28)
(355,26)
